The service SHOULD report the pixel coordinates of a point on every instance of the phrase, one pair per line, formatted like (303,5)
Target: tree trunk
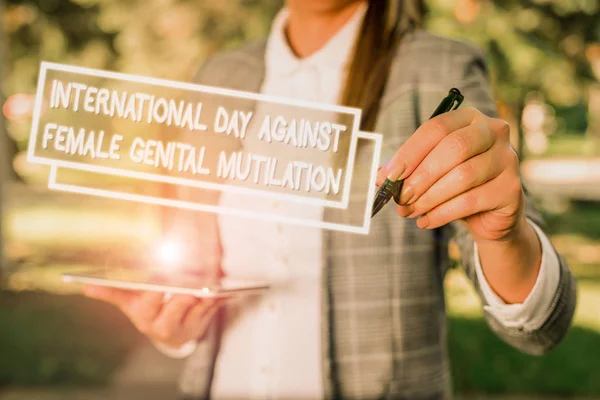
(6,153)
(3,172)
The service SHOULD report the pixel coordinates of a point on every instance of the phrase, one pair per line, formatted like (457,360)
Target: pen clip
(451,102)
(456,98)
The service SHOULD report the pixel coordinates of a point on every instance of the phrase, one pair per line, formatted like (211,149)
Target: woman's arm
(461,172)
(525,269)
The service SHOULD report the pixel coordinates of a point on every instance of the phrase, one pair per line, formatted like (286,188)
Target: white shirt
(273,349)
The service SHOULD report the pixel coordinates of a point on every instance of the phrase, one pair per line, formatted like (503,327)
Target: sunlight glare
(170,253)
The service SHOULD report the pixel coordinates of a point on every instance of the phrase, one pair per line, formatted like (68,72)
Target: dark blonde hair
(385,22)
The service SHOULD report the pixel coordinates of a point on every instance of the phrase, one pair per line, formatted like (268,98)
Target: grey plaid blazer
(384,319)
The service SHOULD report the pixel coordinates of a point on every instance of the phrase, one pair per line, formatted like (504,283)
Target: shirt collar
(281,60)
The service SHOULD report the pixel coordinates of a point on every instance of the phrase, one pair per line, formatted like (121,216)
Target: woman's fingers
(168,324)
(144,309)
(174,322)
(453,150)
(140,307)
(468,175)
(485,197)
(198,319)
(425,139)
(183,319)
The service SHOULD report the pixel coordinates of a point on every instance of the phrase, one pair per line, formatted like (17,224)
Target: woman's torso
(383,326)
(279,335)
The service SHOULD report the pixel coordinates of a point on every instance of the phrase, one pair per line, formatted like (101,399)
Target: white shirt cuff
(179,353)
(531,314)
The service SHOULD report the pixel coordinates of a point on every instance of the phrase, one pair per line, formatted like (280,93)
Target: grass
(482,363)
(36,349)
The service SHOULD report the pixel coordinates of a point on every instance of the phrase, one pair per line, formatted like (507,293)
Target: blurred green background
(544,57)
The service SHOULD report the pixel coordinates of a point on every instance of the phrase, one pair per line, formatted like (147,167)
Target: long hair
(385,23)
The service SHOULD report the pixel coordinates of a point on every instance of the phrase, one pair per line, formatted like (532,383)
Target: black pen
(390,189)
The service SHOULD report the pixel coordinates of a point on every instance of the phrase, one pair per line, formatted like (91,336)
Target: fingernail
(406,195)
(395,171)
(404,212)
(423,222)
(414,214)
(380,176)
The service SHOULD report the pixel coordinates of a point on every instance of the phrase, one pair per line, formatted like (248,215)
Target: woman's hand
(181,318)
(173,323)
(460,166)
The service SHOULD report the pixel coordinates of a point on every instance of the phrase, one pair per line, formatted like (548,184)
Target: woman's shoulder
(430,63)
(425,43)
(427,59)
(220,67)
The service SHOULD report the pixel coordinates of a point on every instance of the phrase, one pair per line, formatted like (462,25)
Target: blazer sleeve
(467,71)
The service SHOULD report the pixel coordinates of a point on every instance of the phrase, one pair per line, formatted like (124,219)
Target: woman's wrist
(511,265)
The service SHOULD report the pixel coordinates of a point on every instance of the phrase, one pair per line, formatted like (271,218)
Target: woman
(364,316)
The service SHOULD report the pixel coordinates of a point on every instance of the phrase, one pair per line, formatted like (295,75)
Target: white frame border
(31,157)
(364,229)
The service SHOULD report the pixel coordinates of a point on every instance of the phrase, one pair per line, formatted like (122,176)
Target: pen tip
(377,206)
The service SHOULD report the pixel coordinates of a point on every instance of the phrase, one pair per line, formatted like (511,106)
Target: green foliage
(534,45)
(547,46)
(163,38)
(584,220)
(160,38)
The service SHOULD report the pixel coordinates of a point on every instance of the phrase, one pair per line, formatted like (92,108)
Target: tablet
(172,282)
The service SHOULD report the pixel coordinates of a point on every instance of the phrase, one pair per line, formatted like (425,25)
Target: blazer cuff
(531,314)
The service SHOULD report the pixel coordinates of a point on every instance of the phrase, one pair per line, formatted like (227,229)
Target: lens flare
(170,253)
